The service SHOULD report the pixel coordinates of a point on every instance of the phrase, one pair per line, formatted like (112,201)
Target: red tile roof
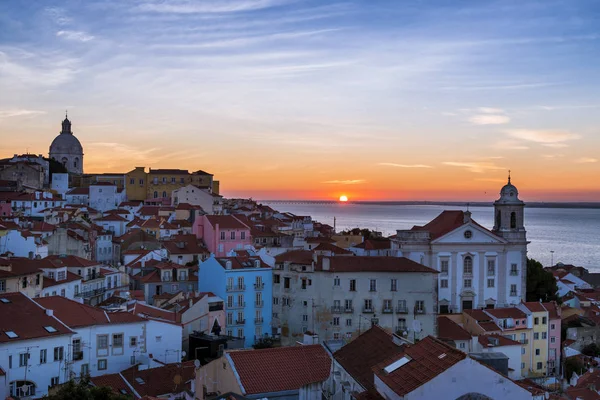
(489,326)
(75,314)
(428,359)
(147,311)
(328,247)
(72,261)
(361,354)
(444,223)
(113,381)
(496,340)
(303,257)
(450,330)
(71,277)
(371,244)
(507,312)
(241,262)
(26,319)
(535,306)
(279,369)
(225,222)
(373,264)
(478,315)
(184,244)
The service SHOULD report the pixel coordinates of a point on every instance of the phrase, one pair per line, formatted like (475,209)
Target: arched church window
(64,162)
(498,219)
(164,195)
(76,162)
(468,265)
(155,194)
(513,220)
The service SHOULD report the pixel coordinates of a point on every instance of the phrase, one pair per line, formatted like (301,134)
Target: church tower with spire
(509,212)
(67,149)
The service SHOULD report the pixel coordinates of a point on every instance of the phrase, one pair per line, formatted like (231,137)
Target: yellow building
(160,183)
(24,279)
(539,345)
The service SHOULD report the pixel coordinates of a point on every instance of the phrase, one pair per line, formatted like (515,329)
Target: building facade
(478,267)
(160,183)
(222,233)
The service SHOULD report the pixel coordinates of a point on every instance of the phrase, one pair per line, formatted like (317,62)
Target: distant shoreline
(533,204)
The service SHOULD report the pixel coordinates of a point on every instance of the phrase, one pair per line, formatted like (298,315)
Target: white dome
(67,149)
(66,143)
(509,193)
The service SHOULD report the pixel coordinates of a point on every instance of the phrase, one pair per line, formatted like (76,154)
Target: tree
(573,364)
(263,343)
(592,350)
(83,391)
(540,283)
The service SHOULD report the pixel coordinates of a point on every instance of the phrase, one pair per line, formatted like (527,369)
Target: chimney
(49,313)
(325,263)
(467,216)
(191,303)
(227,264)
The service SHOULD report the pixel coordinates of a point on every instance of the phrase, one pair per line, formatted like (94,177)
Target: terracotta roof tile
(507,312)
(21,315)
(489,326)
(361,354)
(450,330)
(332,248)
(553,310)
(496,340)
(303,257)
(373,264)
(225,222)
(113,381)
(279,369)
(428,358)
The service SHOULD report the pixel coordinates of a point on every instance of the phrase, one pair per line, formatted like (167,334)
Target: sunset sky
(389,100)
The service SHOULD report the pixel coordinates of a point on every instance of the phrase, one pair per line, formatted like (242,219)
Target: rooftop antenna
(509,176)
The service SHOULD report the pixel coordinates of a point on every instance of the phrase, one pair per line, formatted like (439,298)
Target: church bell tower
(509,214)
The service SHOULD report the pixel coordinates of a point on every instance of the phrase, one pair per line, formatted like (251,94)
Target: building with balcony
(338,297)
(478,267)
(164,277)
(245,283)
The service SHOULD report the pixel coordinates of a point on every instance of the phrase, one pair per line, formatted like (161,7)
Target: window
(444,283)
(491,267)
(59,353)
(240,333)
(468,265)
(348,305)
(513,269)
(444,266)
(132,181)
(232,235)
(85,369)
(372,285)
(368,305)
(276,278)
(63,292)
(536,336)
(305,318)
(420,306)
(490,283)
(102,342)
(401,324)
(336,281)
(54,381)
(2,286)
(468,234)
(467,283)
(552,339)
(23,358)
(286,282)
(172,179)
(43,356)
(164,179)
(522,350)
(132,341)
(353,285)
(552,326)
(155,194)
(402,306)
(303,282)
(141,181)
(462,345)
(394,285)
(276,301)
(537,352)
(222,235)
(132,360)
(117,340)
(102,364)
(158,339)
(336,321)
(229,319)
(536,321)
(522,365)
(544,335)
(544,320)
(243,235)
(539,364)
(349,322)
(513,290)
(513,222)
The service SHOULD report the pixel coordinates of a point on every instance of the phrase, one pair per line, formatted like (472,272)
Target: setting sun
(343,198)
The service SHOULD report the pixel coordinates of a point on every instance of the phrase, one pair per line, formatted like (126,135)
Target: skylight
(4,300)
(11,334)
(442,356)
(139,380)
(394,366)
(50,329)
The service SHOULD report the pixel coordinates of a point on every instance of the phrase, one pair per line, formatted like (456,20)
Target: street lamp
(552,258)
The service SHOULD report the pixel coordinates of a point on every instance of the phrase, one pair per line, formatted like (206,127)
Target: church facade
(67,149)
(478,268)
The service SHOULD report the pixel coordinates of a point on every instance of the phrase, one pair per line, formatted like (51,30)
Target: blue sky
(313,96)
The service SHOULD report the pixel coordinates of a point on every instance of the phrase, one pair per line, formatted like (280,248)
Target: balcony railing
(259,303)
(259,286)
(236,288)
(419,310)
(91,293)
(368,310)
(240,321)
(349,310)
(387,310)
(77,355)
(524,341)
(258,320)
(336,310)
(402,310)
(237,305)
(513,294)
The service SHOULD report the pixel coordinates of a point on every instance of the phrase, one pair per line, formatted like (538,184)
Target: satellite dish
(183,354)
(197,363)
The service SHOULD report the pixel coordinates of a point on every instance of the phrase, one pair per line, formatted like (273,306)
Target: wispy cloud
(18,113)
(547,138)
(345,182)
(477,167)
(489,119)
(510,145)
(586,160)
(58,15)
(208,6)
(77,36)
(552,156)
(405,165)
(490,110)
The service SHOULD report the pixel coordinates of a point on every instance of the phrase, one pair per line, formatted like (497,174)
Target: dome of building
(509,193)
(67,149)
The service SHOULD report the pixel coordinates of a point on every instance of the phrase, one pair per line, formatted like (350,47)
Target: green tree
(592,350)
(573,364)
(83,391)
(540,283)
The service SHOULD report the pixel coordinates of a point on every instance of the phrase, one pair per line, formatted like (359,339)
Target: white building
(33,348)
(478,267)
(338,297)
(60,183)
(210,202)
(33,204)
(112,222)
(105,196)
(104,247)
(78,196)
(22,243)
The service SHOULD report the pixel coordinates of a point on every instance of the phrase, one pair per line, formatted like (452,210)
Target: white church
(478,268)
(67,149)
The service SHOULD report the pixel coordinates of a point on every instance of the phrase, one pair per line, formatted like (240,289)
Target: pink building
(554,320)
(222,233)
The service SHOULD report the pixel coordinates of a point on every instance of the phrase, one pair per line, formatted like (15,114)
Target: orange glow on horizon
(343,198)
